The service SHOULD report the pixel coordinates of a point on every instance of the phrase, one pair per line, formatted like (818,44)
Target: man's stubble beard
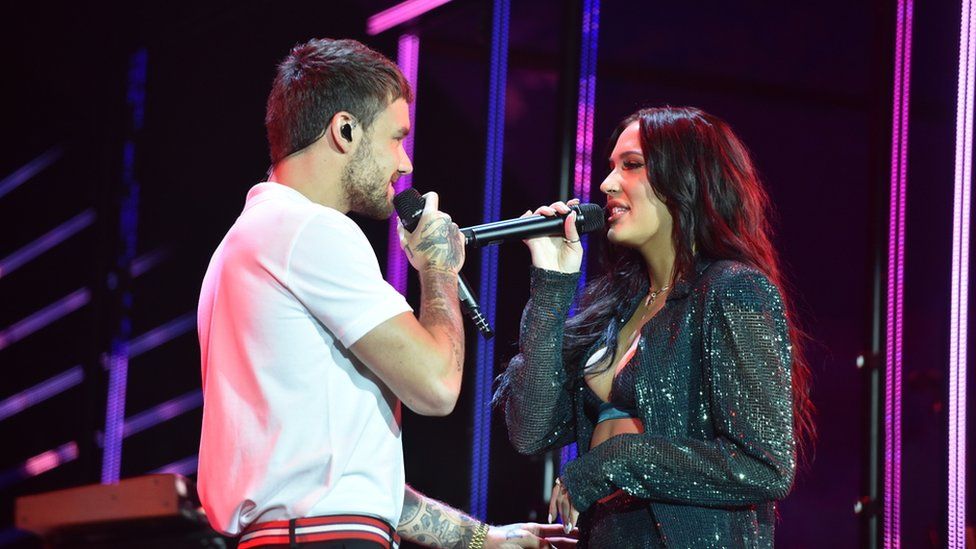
(361,181)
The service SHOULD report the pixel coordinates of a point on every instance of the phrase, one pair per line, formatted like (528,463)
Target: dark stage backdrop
(806,85)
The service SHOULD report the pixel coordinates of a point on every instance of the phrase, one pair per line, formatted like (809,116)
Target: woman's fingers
(553,499)
(569,226)
(560,207)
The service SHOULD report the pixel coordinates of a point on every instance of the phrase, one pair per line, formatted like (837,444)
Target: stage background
(807,85)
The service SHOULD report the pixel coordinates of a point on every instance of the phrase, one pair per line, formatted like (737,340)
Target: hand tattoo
(440,243)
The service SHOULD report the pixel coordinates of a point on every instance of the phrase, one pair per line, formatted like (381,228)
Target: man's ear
(344,131)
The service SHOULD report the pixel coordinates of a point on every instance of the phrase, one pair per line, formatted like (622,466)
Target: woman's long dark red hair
(720,210)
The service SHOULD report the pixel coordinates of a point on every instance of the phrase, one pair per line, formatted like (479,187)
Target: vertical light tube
(590,34)
(896,277)
(958,322)
(117,359)
(485,368)
(408,55)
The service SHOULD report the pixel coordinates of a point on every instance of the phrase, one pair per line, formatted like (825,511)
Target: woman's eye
(633,165)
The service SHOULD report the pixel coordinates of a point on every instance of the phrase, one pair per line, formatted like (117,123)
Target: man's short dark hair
(320,78)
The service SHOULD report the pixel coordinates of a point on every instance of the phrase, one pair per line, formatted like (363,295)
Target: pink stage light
(51,459)
(408,56)
(958,322)
(896,278)
(400,13)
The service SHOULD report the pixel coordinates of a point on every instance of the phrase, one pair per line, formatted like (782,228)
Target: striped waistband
(324,528)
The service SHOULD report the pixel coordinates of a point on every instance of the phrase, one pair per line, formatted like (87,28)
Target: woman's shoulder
(730,280)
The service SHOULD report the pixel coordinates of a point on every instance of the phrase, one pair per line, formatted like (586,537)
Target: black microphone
(589,218)
(409,206)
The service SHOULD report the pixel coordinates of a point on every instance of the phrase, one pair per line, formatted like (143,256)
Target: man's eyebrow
(402,132)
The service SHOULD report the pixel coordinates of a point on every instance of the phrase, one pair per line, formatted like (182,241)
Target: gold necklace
(652,294)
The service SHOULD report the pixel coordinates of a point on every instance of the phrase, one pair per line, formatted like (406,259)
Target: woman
(680,377)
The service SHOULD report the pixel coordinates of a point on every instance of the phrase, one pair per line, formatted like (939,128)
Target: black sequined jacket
(713,390)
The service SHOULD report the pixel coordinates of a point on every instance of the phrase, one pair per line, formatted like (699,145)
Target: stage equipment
(148,511)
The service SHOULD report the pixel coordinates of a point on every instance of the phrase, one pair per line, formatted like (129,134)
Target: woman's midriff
(613,427)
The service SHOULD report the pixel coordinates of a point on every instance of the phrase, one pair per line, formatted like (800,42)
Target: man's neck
(307,175)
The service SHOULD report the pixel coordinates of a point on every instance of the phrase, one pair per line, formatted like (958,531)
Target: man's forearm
(440,314)
(434,524)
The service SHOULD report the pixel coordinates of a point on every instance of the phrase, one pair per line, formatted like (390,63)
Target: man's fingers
(431,202)
(402,233)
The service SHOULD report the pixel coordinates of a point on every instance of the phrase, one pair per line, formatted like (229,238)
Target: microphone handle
(520,228)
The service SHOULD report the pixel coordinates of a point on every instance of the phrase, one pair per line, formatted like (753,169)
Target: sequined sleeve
(751,458)
(538,405)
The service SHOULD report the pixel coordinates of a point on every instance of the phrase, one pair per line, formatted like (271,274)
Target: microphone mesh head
(409,205)
(589,218)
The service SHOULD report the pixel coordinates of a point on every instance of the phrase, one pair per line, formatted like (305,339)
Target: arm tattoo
(439,307)
(434,524)
(439,241)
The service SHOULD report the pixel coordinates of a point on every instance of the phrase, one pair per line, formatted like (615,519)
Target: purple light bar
(585,112)
(587,99)
(42,391)
(62,307)
(408,56)
(117,364)
(162,334)
(40,464)
(400,13)
(29,170)
(959,320)
(145,262)
(896,278)
(488,294)
(185,466)
(162,412)
(118,357)
(49,240)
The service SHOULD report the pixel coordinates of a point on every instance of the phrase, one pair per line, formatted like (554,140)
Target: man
(306,351)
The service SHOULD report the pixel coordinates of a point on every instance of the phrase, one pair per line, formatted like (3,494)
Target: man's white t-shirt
(293,424)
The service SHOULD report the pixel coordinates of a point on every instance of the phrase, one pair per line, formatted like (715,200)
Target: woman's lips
(616,212)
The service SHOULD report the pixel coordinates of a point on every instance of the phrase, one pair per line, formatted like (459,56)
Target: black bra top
(622,402)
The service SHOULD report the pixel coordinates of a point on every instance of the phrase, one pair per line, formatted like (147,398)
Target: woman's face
(636,216)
